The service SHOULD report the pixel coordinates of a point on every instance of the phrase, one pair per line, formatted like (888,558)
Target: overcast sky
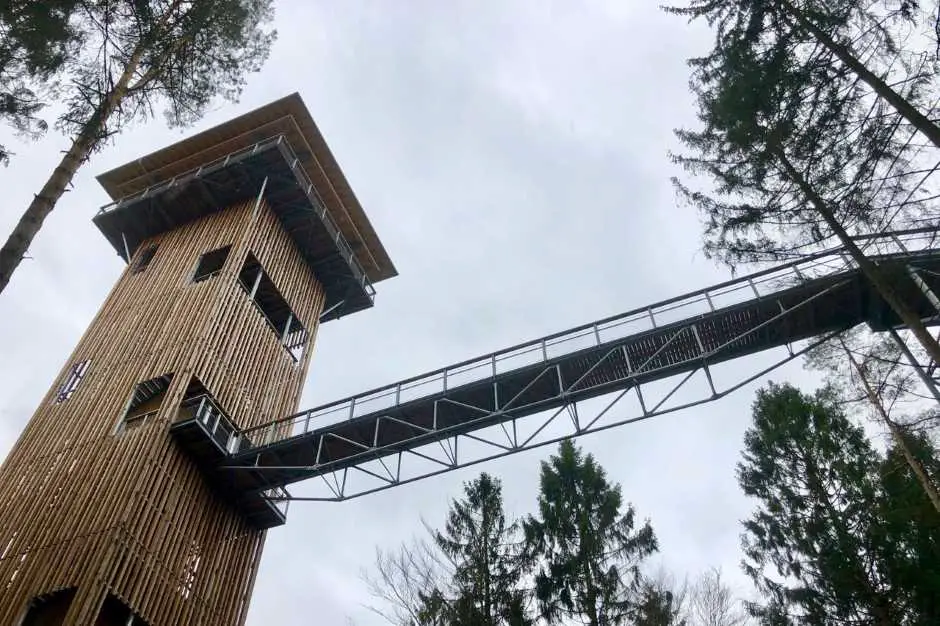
(512,157)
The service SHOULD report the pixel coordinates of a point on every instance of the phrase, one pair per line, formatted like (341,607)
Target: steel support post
(912,359)
(264,183)
(925,288)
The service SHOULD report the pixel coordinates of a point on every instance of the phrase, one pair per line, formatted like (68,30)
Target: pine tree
(872,369)
(36,38)
(911,527)
(584,543)
(812,545)
(487,567)
(138,56)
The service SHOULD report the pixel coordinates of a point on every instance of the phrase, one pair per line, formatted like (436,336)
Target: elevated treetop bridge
(656,359)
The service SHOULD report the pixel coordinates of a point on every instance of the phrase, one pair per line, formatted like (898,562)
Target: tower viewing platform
(276,150)
(276,153)
(239,241)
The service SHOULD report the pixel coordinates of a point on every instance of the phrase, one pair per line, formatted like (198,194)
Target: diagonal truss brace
(439,422)
(371,458)
(361,479)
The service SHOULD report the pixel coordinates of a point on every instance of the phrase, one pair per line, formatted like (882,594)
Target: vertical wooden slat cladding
(129,515)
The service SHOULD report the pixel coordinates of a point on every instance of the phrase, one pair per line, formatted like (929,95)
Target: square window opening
(145,403)
(211,263)
(72,381)
(144,259)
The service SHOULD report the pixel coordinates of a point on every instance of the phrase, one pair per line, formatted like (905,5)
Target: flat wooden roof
(287,116)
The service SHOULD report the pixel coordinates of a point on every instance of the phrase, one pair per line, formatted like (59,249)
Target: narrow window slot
(72,381)
(273,307)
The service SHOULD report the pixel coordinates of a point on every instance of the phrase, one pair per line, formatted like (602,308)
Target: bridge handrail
(823,263)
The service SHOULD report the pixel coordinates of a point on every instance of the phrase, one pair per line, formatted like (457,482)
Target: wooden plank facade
(85,508)
(104,518)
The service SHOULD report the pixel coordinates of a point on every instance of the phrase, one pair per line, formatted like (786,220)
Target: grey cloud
(513,159)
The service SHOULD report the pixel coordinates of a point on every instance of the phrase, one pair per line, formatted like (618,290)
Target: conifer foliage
(587,542)
(36,38)
(841,534)
(487,567)
(578,560)
(805,139)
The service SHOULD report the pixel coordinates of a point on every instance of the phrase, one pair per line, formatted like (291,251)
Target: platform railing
(215,421)
(279,497)
(757,285)
(280,142)
(193,173)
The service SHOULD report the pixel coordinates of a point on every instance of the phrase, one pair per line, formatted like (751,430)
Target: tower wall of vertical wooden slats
(84,506)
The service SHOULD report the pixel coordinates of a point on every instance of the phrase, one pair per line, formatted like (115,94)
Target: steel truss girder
(780,307)
(398,468)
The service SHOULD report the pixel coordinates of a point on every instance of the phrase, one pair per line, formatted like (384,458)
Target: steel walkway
(372,434)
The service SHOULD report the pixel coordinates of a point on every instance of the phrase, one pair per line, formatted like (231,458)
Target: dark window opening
(49,609)
(211,263)
(273,307)
(116,613)
(145,403)
(72,380)
(194,389)
(143,259)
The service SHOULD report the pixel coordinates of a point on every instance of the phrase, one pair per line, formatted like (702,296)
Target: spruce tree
(851,37)
(484,550)
(799,147)
(812,545)
(585,544)
(657,605)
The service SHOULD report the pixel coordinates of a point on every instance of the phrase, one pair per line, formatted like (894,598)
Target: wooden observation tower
(239,241)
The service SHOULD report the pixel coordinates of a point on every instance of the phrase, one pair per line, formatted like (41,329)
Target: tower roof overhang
(280,147)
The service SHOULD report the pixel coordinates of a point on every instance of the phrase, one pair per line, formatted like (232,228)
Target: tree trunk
(593,614)
(916,466)
(42,204)
(871,271)
(487,578)
(907,110)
